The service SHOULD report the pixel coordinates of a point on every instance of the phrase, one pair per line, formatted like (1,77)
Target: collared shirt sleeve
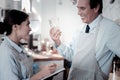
(68,50)
(114,40)
(108,44)
(65,51)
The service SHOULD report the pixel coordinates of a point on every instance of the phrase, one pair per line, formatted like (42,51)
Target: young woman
(14,62)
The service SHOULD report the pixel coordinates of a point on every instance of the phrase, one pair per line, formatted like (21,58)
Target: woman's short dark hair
(95,3)
(12,17)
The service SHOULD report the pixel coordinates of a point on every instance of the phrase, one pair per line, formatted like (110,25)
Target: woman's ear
(14,27)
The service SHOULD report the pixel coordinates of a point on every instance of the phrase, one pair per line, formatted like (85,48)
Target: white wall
(69,19)
(11,4)
(67,14)
(48,10)
(2,3)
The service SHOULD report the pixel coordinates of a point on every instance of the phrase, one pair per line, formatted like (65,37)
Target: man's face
(87,14)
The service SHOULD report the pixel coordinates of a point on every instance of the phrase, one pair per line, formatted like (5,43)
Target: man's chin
(84,21)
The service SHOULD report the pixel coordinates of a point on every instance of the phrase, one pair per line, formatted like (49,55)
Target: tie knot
(87,29)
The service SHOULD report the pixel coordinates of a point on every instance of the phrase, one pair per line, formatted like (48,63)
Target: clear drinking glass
(54,22)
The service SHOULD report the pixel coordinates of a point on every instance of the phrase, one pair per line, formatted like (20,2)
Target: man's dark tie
(87,29)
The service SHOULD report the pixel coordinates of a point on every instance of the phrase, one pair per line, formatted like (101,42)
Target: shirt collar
(18,48)
(95,22)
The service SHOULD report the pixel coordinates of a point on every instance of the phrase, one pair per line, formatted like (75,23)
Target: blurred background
(60,13)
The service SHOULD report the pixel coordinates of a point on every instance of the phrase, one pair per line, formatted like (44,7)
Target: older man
(94,46)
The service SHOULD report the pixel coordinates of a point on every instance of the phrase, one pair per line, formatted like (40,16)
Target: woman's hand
(44,71)
(48,68)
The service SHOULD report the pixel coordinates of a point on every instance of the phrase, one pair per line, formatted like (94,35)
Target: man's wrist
(57,43)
